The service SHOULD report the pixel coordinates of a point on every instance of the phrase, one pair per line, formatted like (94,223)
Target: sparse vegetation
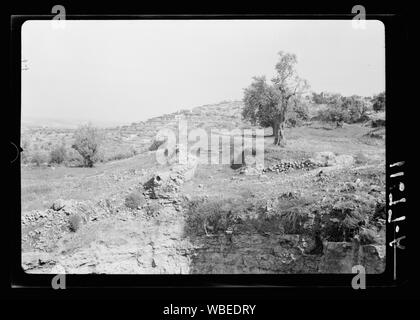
(274,212)
(212,216)
(293,220)
(58,154)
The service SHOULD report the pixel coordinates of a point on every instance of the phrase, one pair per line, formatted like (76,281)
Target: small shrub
(39,158)
(210,216)
(134,200)
(343,222)
(74,222)
(293,221)
(58,154)
(156,144)
(87,142)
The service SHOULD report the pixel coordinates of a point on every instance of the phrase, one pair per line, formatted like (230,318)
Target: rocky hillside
(317,205)
(128,140)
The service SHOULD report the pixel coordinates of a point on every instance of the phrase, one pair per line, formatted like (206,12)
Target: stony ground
(318,206)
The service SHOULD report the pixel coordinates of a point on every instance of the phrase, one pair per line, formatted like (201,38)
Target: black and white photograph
(214,146)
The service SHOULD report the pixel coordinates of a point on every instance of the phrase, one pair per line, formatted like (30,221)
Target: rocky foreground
(333,221)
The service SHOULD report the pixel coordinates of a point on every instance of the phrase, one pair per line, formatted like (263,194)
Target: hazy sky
(127,71)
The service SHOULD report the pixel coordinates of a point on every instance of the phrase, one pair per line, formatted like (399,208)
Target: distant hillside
(120,141)
(224,115)
(35,122)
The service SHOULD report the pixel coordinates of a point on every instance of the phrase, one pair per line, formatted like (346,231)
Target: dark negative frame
(395,152)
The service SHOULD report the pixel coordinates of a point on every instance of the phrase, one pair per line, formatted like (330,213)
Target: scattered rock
(286,165)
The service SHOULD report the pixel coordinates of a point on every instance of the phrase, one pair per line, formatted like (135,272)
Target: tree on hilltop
(266,104)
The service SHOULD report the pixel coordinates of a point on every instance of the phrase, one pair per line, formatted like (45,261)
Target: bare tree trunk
(282,138)
(278,131)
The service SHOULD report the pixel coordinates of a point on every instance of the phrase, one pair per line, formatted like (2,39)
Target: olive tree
(266,104)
